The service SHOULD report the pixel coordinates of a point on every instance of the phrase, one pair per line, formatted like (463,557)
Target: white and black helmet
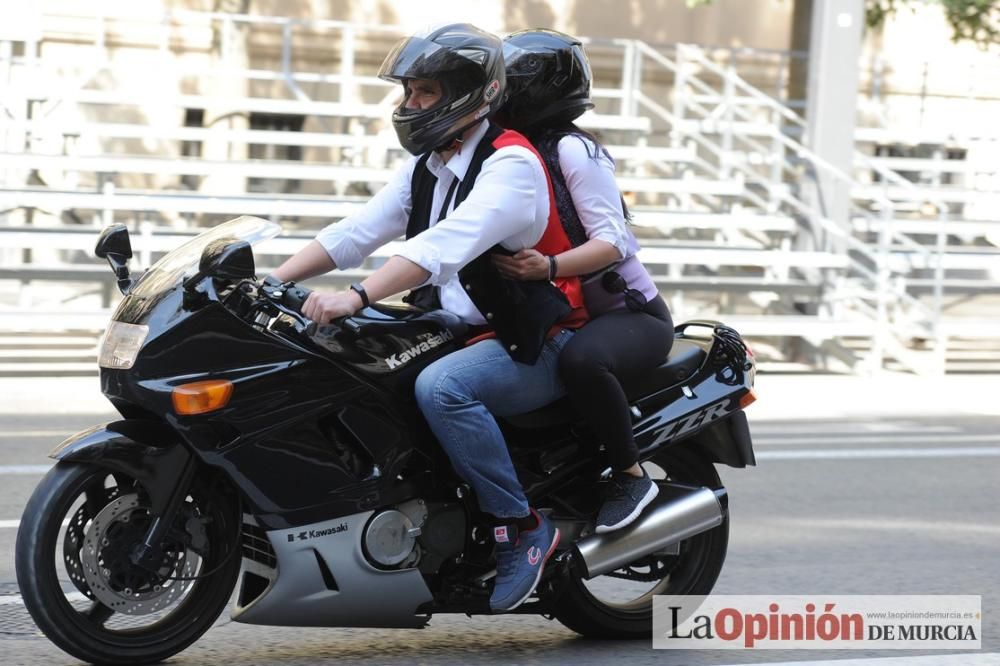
(467,62)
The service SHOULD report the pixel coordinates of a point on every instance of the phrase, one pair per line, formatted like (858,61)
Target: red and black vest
(520,313)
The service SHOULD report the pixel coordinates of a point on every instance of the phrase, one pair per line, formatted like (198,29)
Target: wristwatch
(360,291)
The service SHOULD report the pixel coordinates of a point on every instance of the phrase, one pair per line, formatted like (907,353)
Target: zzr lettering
(692,421)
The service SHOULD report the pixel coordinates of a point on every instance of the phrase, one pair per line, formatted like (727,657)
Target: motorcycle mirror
(114,241)
(114,245)
(225,258)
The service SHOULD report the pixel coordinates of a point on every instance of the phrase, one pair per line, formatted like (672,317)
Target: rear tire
(83,632)
(693,571)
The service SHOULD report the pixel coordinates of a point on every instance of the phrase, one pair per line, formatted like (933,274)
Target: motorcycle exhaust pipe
(671,521)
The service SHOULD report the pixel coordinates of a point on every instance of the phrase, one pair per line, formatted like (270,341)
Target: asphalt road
(876,505)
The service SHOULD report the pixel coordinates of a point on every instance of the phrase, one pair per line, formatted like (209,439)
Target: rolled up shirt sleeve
(596,197)
(508,205)
(380,220)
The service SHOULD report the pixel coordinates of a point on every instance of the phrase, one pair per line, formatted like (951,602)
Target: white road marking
(833,454)
(24,469)
(848,428)
(886,525)
(909,426)
(14,524)
(18,600)
(14,434)
(813,438)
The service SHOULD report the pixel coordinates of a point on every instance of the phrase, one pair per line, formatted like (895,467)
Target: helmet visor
(512,52)
(419,58)
(520,63)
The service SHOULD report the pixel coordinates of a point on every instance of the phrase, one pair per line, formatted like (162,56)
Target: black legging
(606,353)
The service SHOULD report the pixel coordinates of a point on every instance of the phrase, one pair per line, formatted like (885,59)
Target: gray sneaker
(625,498)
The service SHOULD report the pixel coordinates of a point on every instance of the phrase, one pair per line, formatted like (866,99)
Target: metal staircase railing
(897,314)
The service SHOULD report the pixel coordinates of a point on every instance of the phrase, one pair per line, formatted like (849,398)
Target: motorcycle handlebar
(293,297)
(288,295)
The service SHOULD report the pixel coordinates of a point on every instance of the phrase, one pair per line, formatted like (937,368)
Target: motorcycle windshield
(178,264)
(181,263)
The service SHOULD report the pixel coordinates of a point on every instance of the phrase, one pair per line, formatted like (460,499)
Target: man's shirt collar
(459,163)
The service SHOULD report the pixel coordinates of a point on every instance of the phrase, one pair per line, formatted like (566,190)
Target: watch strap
(360,291)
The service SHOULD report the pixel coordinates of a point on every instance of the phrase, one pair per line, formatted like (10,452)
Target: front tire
(52,560)
(589,609)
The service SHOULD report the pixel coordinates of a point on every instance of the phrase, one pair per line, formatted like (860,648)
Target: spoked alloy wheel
(77,579)
(620,604)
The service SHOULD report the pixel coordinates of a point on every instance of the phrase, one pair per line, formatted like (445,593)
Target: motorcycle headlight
(121,345)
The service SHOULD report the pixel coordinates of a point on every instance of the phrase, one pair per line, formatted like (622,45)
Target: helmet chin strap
(456,143)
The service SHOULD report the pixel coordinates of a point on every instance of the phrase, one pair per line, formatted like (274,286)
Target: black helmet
(467,62)
(548,78)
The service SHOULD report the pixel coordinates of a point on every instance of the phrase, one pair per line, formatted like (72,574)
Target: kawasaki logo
(430,342)
(312,534)
(692,421)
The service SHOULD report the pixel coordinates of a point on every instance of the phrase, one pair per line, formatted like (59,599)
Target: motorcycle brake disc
(110,574)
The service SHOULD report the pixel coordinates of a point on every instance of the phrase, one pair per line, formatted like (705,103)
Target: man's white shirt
(509,205)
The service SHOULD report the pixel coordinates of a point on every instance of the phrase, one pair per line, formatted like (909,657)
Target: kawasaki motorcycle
(285,466)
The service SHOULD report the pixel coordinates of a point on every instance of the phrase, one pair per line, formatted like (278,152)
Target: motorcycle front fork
(147,553)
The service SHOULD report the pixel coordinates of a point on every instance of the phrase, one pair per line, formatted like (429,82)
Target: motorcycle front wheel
(80,586)
(619,605)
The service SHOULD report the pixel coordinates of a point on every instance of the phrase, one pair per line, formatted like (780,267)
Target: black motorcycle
(260,453)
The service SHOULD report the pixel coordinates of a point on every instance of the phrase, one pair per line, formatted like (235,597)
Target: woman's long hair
(546,140)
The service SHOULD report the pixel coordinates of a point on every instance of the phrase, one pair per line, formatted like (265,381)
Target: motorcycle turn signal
(202,397)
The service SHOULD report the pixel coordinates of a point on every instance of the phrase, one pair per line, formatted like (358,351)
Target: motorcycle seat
(684,359)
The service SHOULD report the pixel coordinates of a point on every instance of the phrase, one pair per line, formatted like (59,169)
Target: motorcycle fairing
(322,579)
(148,451)
(704,406)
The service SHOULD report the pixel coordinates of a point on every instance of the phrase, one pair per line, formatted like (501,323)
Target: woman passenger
(549,78)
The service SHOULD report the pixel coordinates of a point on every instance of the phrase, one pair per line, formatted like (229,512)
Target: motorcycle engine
(391,536)
(413,534)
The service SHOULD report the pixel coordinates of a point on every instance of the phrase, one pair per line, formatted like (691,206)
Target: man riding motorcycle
(470,190)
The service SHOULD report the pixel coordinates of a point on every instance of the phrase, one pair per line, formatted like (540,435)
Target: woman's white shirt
(591,184)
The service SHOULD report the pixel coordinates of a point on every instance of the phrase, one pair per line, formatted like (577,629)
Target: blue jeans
(460,393)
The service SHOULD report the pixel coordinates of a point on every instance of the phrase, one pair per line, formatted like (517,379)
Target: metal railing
(679,97)
(897,312)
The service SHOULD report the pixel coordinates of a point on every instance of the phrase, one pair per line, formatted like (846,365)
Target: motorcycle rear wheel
(51,561)
(580,605)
